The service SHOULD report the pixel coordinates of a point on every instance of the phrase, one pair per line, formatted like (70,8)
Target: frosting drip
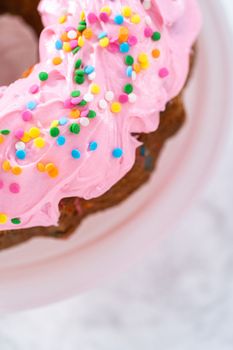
(105,72)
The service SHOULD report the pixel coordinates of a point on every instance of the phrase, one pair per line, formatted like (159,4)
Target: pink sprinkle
(73,44)
(148,32)
(104,17)
(1,184)
(69,28)
(132,40)
(14,188)
(113,47)
(34,89)
(27,115)
(123,98)
(76,100)
(84,113)
(92,18)
(68,104)
(19,133)
(163,72)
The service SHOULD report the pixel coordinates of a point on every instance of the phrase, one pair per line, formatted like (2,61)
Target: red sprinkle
(123,98)
(163,72)
(14,188)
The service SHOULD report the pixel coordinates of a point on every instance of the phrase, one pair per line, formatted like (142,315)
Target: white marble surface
(180,298)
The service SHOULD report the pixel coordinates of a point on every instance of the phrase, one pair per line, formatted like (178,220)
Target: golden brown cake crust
(74,210)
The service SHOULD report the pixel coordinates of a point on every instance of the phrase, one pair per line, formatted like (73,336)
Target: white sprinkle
(72,34)
(109,96)
(88,97)
(147,4)
(134,76)
(92,76)
(148,20)
(132,98)
(20,145)
(84,121)
(103,104)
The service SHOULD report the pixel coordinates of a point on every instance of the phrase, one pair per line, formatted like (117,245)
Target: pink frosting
(31,198)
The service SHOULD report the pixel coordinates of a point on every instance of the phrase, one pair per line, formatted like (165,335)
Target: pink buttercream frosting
(50,148)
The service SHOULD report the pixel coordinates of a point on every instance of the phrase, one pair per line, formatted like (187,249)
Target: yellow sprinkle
(75,113)
(40,167)
(16,170)
(39,142)
(142,58)
(26,137)
(95,89)
(1,139)
(116,107)
(145,65)
(62,19)
(104,42)
(136,19)
(6,166)
(126,11)
(82,16)
(57,61)
(81,41)
(3,218)
(49,167)
(66,47)
(34,132)
(54,123)
(106,9)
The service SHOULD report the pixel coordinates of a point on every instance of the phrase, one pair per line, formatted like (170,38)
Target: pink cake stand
(45,270)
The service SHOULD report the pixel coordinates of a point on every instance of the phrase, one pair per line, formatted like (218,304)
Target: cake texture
(85,128)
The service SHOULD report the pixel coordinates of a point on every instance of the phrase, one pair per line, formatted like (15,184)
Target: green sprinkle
(16,221)
(75,128)
(128,88)
(5,132)
(80,72)
(129,60)
(91,114)
(156,36)
(75,93)
(79,79)
(54,132)
(76,50)
(78,63)
(82,103)
(82,26)
(43,76)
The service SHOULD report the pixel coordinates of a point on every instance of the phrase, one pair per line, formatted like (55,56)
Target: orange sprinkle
(155,53)
(40,167)
(136,67)
(6,166)
(16,170)
(64,37)
(123,34)
(27,72)
(87,33)
(57,61)
(75,113)
(1,139)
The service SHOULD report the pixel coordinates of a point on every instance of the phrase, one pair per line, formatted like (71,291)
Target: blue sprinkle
(129,71)
(142,151)
(63,121)
(76,154)
(93,146)
(58,44)
(119,19)
(31,105)
(89,69)
(20,154)
(117,153)
(102,35)
(61,140)
(124,47)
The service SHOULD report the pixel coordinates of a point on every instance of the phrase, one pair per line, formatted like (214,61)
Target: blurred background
(180,297)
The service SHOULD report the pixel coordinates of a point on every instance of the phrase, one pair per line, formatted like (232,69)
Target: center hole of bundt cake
(19,48)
